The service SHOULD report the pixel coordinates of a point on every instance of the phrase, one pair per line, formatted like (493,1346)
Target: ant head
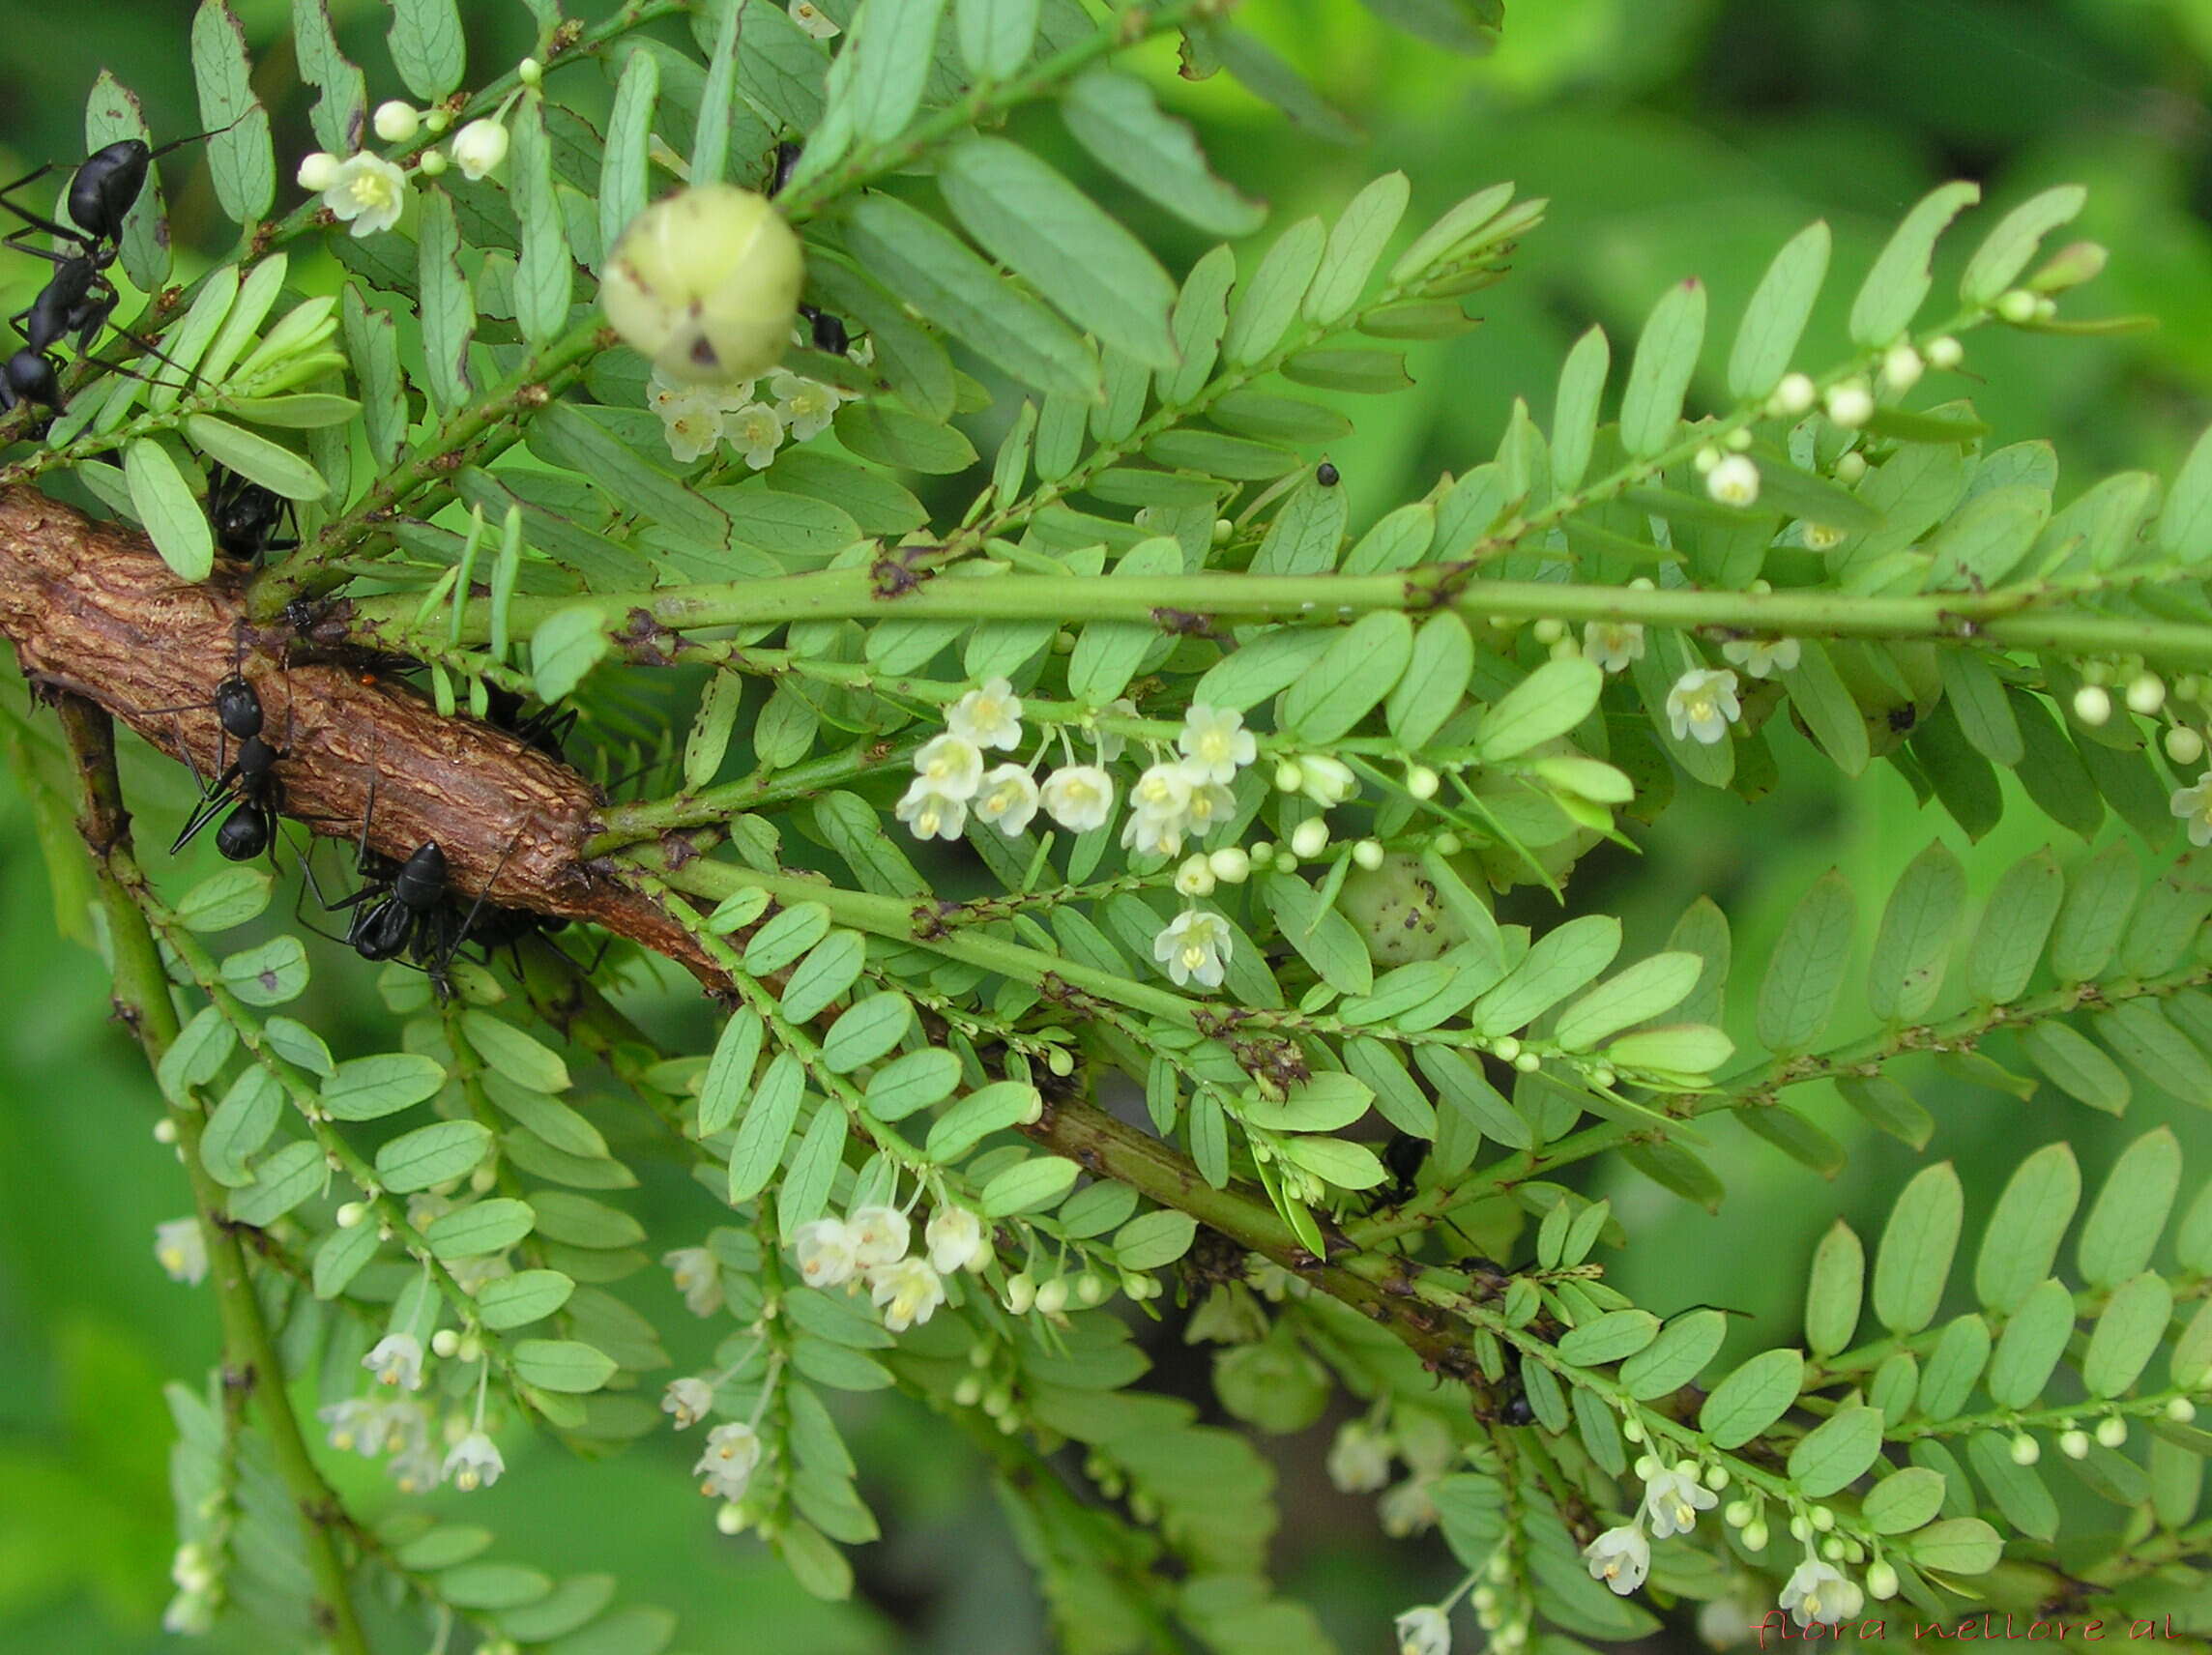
(238,707)
(29,377)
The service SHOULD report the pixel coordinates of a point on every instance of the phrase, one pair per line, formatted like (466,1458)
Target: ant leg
(15,239)
(461,936)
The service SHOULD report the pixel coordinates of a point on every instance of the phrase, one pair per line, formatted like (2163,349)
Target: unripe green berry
(704,283)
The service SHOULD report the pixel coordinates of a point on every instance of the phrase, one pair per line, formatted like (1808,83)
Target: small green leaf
(1646,990)
(2006,250)
(566,646)
(2022,1240)
(524,1297)
(449,313)
(1917,1244)
(869,1030)
(1575,409)
(1356,246)
(1115,118)
(1029,1186)
(480,1228)
(1806,972)
(1613,1336)
(1676,1357)
(2123,1227)
(433,1154)
(427,46)
(1837,1452)
(1265,305)
(1752,1398)
(1958,1546)
(1547,703)
(1081,260)
(1894,288)
(1903,1500)
(1361,667)
(1834,1292)
(769,1114)
(2014,928)
(271,974)
(2077,1068)
(1153,1240)
(256,458)
(1775,319)
(911,1082)
(996,36)
(367,1088)
(2033,1340)
(225,899)
(630,131)
(1913,945)
(2127,1334)
(241,160)
(509,1052)
(563,1365)
(830,968)
(166,503)
(1665,357)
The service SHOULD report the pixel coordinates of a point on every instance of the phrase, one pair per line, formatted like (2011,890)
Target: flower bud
(445,1342)
(1368,854)
(1793,396)
(1945,352)
(318,171)
(2074,1443)
(1705,459)
(1755,1537)
(529,71)
(1232,864)
(1850,467)
(396,122)
(1422,782)
(705,284)
(2092,705)
(1052,1295)
(1850,404)
(2146,693)
(2016,307)
(2180,1409)
(1289,776)
(1021,1293)
(1901,367)
(2026,1450)
(2111,1431)
(432,163)
(2184,746)
(1091,1289)
(1881,1581)
(1735,480)
(351,1214)
(1309,838)
(1548,631)
(164,1130)
(478,148)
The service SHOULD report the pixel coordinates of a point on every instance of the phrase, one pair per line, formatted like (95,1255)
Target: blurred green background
(1673,136)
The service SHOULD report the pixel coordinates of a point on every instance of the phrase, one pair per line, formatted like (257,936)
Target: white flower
(1674,1498)
(988,717)
(1819,1591)
(366,191)
(1327,782)
(1703,704)
(956,1240)
(474,1463)
(907,1291)
(1215,741)
(1734,481)
(697,1279)
(318,171)
(1195,876)
(1613,644)
(2194,805)
(358,1425)
(1359,1458)
(732,1453)
(1163,791)
(691,419)
(396,122)
(756,431)
(806,405)
(929,814)
(1621,1557)
(1079,797)
(1764,658)
(180,1249)
(951,765)
(1008,798)
(689,1400)
(478,148)
(1407,1509)
(825,1250)
(880,1235)
(1194,946)
(1424,1631)
(396,1359)
(812,18)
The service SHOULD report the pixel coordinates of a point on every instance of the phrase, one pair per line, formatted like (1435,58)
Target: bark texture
(91,608)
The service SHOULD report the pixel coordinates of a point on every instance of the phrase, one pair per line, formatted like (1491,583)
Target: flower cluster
(950,779)
(402,1429)
(1673,1498)
(697,419)
(870,1244)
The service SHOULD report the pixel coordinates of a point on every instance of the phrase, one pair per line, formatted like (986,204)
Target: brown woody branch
(92,610)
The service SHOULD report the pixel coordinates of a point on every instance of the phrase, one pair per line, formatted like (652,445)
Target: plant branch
(142,1000)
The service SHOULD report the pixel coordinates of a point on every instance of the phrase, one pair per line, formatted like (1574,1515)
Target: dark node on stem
(1301,1260)
(1182,623)
(894,575)
(1326,475)
(651,644)
(929,925)
(564,38)
(679,849)
(1904,716)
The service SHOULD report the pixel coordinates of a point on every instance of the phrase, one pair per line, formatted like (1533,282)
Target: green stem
(143,1003)
(2007,618)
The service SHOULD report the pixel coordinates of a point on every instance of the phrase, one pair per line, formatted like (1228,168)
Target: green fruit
(706,284)
(1396,913)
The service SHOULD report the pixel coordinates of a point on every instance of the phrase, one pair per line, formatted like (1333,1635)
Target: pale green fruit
(706,284)
(1396,910)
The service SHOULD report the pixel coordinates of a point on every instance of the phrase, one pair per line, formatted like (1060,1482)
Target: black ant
(246,516)
(828,330)
(248,782)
